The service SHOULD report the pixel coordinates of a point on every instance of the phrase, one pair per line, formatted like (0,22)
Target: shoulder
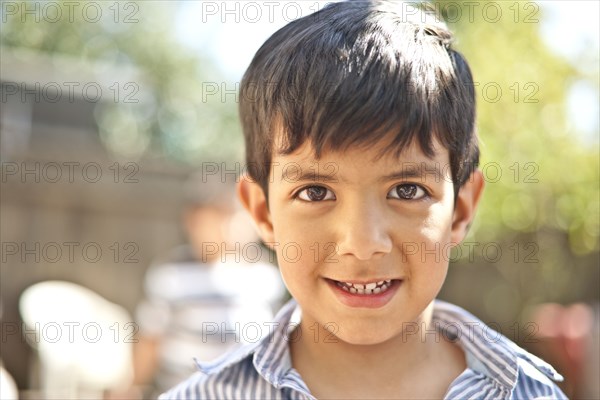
(250,371)
(224,384)
(535,377)
(188,389)
(491,354)
(237,380)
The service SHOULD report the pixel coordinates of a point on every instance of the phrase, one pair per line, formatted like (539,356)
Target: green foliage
(541,173)
(541,202)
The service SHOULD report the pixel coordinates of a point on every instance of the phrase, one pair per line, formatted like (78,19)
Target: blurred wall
(69,211)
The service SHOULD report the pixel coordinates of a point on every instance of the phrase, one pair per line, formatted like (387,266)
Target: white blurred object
(8,388)
(83,340)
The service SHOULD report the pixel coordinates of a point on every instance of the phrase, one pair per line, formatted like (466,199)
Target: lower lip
(364,301)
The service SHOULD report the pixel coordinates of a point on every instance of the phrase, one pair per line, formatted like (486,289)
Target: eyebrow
(410,170)
(308,174)
(416,170)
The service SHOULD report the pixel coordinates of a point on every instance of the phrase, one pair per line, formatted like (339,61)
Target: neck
(376,370)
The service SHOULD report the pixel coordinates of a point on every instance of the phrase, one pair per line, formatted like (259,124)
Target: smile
(365,289)
(373,294)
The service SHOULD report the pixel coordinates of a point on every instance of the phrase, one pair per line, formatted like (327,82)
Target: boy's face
(372,220)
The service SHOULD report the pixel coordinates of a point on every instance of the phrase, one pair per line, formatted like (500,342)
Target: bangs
(356,86)
(357,74)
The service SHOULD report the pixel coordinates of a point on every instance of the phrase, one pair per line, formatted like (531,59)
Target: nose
(364,230)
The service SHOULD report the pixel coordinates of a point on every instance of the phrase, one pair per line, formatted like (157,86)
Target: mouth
(368,288)
(371,294)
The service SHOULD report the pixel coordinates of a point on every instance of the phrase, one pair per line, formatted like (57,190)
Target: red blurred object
(567,337)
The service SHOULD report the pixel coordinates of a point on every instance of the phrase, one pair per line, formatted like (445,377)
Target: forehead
(360,163)
(381,153)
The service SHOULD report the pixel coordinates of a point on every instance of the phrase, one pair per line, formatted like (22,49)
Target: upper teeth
(367,288)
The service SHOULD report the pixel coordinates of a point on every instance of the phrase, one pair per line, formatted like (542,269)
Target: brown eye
(313,193)
(408,191)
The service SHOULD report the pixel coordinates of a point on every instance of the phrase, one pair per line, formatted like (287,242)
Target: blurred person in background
(194,308)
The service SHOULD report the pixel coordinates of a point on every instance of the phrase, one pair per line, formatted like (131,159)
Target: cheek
(427,252)
(438,224)
(295,257)
(299,277)
(300,253)
(300,240)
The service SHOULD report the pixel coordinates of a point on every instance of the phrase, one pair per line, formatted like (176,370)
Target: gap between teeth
(369,288)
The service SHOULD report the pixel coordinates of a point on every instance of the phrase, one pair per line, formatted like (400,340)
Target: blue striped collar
(485,349)
(488,353)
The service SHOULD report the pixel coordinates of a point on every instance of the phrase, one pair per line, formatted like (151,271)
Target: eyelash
(424,196)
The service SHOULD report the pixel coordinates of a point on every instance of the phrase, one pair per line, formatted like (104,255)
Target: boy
(359,126)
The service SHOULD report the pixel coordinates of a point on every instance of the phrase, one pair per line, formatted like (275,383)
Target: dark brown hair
(353,74)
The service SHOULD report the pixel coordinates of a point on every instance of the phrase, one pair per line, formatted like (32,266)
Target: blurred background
(109,109)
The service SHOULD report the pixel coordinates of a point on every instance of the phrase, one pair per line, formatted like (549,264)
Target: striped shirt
(496,367)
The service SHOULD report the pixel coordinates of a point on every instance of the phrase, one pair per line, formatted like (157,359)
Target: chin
(362,337)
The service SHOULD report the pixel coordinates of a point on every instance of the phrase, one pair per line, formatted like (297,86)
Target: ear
(466,205)
(253,199)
